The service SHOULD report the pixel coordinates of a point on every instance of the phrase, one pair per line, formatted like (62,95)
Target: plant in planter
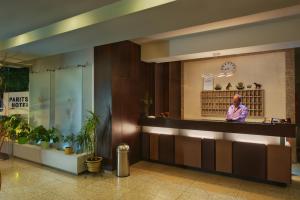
(43,137)
(10,125)
(88,133)
(53,136)
(35,134)
(70,140)
(22,132)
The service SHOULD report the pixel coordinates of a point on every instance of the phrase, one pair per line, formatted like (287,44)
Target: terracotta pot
(94,165)
(68,150)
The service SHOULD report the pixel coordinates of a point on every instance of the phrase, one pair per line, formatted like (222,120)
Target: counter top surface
(254,128)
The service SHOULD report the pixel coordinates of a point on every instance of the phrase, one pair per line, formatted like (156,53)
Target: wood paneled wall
(121,81)
(118,93)
(168,89)
(297,96)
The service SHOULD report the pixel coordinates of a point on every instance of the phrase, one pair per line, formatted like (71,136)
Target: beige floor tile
(24,180)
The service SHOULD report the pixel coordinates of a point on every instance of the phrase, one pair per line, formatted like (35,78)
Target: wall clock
(227,69)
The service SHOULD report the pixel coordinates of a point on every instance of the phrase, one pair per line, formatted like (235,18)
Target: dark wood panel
(148,85)
(102,99)
(208,154)
(297,98)
(118,94)
(188,151)
(279,164)
(166,149)
(175,90)
(224,156)
(249,160)
(280,130)
(161,88)
(145,146)
(154,147)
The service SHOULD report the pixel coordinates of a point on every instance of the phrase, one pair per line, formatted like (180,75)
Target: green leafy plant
(54,135)
(38,133)
(10,125)
(22,130)
(87,137)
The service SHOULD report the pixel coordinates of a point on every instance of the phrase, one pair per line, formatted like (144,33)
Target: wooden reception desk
(246,150)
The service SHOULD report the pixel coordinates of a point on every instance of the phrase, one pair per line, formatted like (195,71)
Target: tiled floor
(24,180)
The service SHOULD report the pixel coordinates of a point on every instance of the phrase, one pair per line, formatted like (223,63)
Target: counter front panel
(207,148)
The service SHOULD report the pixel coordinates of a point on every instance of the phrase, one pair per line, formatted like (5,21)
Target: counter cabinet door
(249,160)
(224,156)
(279,164)
(188,151)
(208,154)
(154,147)
(167,149)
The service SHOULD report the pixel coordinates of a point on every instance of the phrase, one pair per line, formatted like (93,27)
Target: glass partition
(68,100)
(39,104)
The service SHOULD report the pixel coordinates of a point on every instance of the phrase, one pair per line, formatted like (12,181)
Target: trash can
(123,160)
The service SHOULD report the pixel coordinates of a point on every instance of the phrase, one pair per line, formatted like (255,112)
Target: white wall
(84,88)
(267,69)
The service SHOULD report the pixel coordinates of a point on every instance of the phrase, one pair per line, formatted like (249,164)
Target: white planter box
(28,152)
(74,163)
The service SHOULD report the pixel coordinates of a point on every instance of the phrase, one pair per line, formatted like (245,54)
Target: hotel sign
(15,103)
(18,100)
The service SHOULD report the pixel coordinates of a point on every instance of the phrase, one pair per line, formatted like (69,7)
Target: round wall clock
(228,68)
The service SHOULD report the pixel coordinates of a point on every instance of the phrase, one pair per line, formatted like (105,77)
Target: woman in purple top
(237,111)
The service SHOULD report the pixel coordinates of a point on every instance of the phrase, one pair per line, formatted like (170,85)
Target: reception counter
(254,151)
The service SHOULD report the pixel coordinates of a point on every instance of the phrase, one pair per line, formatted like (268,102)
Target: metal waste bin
(123,160)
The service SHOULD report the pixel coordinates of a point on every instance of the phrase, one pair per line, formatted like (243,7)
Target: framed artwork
(208,83)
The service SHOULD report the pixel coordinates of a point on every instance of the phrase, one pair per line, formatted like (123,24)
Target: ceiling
(17,17)
(32,14)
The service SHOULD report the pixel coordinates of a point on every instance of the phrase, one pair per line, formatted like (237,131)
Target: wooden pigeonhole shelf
(216,103)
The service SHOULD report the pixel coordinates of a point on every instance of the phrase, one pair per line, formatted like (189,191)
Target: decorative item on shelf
(240,86)
(228,86)
(69,140)
(164,114)
(218,87)
(147,102)
(249,86)
(257,86)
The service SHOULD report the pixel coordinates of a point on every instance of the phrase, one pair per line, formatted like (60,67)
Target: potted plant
(22,132)
(10,125)
(80,140)
(43,137)
(69,140)
(54,135)
(34,136)
(88,132)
